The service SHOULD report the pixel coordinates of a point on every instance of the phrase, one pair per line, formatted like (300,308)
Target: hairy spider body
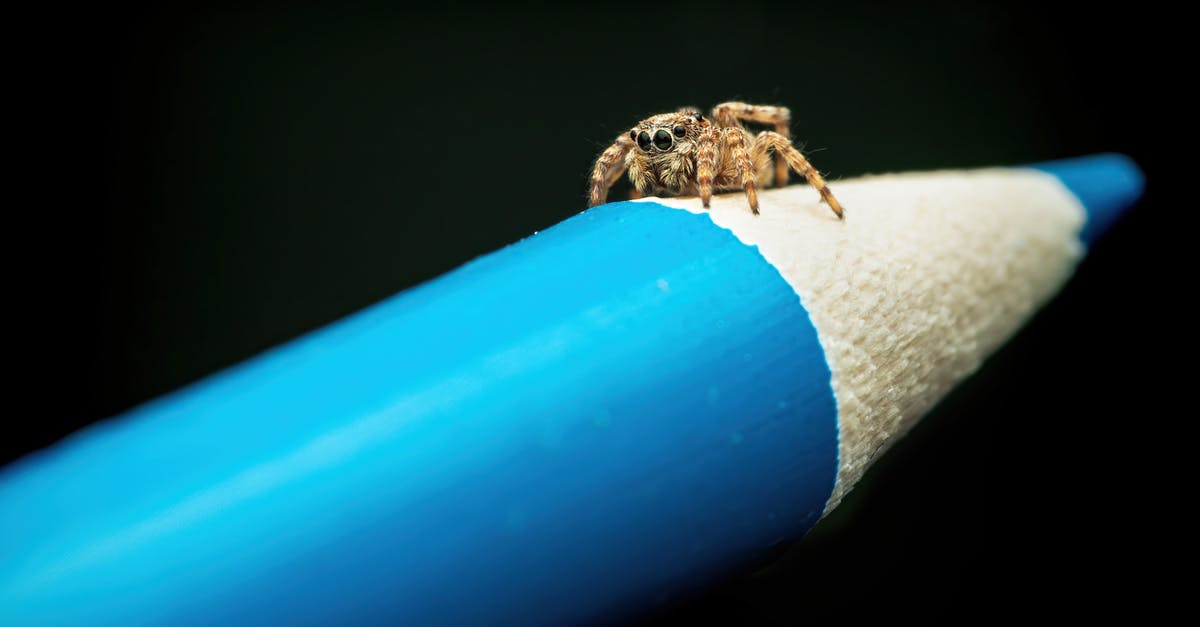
(685,153)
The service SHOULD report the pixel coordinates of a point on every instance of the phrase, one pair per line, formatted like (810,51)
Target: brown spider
(686,153)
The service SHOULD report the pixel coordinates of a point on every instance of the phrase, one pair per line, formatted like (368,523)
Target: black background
(210,182)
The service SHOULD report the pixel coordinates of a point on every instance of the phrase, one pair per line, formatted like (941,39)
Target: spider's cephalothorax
(686,153)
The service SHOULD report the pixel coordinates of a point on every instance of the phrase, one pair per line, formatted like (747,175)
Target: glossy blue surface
(578,426)
(1107,185)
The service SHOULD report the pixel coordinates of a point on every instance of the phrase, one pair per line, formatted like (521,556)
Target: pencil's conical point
(1107,185)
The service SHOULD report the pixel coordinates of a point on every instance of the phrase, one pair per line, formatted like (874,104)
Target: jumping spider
(686,153)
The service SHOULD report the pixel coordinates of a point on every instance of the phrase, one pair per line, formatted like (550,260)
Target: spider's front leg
(706,163)
(735,138)
(729,114)
(609,167)
(783,147)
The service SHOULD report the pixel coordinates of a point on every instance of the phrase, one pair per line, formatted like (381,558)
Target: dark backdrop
(210,182)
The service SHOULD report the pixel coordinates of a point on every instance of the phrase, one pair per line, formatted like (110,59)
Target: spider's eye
(662,139)
(633,135)
(679,131)
(643,140)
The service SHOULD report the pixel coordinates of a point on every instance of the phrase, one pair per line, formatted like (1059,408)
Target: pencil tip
(1107,184)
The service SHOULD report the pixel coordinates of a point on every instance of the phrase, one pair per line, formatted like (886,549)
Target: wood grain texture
(927,275)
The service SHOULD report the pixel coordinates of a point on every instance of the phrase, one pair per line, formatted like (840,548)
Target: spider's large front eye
(643,140)
(662,139)
(679,131)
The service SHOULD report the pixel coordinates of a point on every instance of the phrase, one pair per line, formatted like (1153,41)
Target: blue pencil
(571,429)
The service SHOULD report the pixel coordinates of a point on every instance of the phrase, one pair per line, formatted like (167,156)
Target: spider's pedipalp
(770,140)
(642,177)
(609,167)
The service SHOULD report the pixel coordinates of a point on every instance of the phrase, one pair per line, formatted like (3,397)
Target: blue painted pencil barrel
(573,424)
(574,428)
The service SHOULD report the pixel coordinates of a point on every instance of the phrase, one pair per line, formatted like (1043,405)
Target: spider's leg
(729,114)
(706,163)
(609,167)
(735,138)
(783,147)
